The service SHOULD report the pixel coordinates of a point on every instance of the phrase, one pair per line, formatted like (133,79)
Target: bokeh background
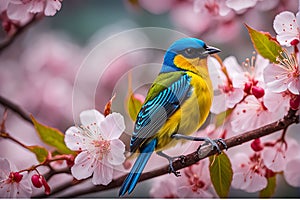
(39,70)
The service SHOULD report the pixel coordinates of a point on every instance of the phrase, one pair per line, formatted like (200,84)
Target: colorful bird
(177,104)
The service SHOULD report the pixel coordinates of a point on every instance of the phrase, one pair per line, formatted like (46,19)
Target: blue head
(186,50)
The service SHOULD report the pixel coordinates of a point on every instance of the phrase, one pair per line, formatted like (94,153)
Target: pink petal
(286,27)
(217,77)
(103,174)
(260,64)
(36,6)
(116,155)
(18,12)
(52,6)
(218,104)
(75,140)
(89,117)
(257,182)
(294,86)
(112,126)
(275,102)
(24,189)
(292,172)
(273,159)
(3,5)
(7,190)
(276,78)
(4,169)
(234,97)
(239,5)
(84,166)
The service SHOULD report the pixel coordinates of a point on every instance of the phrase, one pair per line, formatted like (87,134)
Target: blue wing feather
(156,111)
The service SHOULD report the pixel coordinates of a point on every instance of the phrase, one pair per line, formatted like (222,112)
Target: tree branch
(9,40)
(16,108)
(290,118)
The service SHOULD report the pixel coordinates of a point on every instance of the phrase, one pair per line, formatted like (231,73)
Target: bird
(177,104)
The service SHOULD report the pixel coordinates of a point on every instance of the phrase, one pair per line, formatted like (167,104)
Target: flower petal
(257,182)
(84,166)
(103,174)
(4,169)
(24,189)
(89,117)
(292,172)
(52,6)
(74,139)
(239,5)
(286,27)
(112,126)
(116,155)
(274,159)
(276,78)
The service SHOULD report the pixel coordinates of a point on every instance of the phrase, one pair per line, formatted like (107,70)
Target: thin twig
(16,108)
(194,157)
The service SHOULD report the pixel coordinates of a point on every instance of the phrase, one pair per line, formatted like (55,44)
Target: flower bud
(294,42)
(247,87)
(37,180)
(15,176)
(258,92)
(256,145)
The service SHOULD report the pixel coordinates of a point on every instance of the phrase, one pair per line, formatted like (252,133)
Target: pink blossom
(251,114)
(100,147)
(277,156)
(20,10)
(12,183)
(229,95)
(214,7)
(287,28)
(292,172)
(283,76)
(248,173)
(195,182)
(164,187)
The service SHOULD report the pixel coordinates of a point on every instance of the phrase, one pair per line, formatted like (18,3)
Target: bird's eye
(189,51)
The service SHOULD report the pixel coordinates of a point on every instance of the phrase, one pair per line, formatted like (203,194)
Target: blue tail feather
(136,171)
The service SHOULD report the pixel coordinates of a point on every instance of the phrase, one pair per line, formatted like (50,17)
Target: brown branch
(290,118)
(9,40)
(16,108)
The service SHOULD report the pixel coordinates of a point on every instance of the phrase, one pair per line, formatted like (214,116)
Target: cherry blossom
(229,95)
(164,187)
(277,155)
(195,182)
(12,183)
(251,114)
(20,10)
(286,25)
(100,147)
(248,172)
(283,76)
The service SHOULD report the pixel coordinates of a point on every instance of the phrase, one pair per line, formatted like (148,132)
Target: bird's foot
(171,160)
(214,144)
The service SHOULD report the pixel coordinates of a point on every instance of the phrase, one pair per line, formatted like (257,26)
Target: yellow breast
(191,115)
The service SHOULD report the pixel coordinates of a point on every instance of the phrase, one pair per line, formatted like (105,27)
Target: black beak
(211,50)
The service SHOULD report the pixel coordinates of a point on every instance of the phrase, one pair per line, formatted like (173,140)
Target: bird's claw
(214,144)
(171,168)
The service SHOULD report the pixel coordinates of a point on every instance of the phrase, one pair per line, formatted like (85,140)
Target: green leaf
(265,44)
(40,152)
(221,174)
(134,101)
(134,105)
(270,189)
(51,136)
